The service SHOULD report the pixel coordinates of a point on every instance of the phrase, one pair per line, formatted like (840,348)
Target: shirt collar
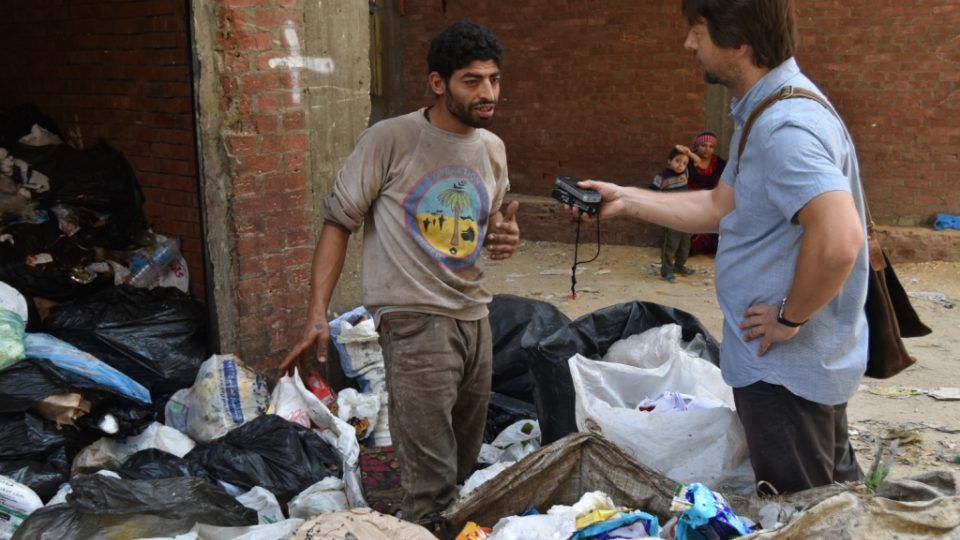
(775,78)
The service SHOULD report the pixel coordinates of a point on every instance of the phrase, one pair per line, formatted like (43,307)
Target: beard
(710,78)
(462,111)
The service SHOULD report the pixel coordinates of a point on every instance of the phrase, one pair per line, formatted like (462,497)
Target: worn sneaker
(668,277)
(685,271)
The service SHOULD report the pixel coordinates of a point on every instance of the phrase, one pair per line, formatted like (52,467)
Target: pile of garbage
(71,219)
(103,438)
(117,421)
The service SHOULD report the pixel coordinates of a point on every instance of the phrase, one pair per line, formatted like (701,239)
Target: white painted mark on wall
(296,62)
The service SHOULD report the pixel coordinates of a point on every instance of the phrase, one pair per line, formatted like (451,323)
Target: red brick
(283,183)
(283,143)
(259,82)
(259,164)
(241,145)
(246,41)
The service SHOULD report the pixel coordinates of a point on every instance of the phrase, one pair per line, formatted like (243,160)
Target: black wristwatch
(784,321)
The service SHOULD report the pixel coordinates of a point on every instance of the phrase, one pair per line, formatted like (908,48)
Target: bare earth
(901,407)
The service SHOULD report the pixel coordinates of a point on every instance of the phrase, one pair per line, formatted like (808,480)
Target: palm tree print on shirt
(447,214)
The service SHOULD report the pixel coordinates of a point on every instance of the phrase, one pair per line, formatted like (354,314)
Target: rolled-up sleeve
(358,182)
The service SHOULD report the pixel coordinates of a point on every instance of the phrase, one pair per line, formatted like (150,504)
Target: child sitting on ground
(676,244)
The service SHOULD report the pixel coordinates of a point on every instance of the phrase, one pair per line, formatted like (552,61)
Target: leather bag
(890,316)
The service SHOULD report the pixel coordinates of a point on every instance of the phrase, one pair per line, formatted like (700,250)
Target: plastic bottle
(147,268)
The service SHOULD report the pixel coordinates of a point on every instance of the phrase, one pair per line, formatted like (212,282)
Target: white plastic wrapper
(17,502)
(264,502)
(359,410)
(327,495)
(111,453)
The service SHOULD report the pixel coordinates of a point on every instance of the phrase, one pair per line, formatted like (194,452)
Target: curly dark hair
(459,44)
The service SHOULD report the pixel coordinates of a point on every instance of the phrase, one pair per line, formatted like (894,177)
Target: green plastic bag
(12,328)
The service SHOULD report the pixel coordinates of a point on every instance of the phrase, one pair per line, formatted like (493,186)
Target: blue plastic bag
(946,221)
(69,358)
(705,515)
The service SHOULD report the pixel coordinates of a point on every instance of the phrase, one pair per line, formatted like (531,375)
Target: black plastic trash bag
(27,436)
(158,337)
(42,261)
(43,478)
(514,320)
(504,411)
(591,335)
(31,380)
(280,456)
(153,464)
(34,452)
(98,182)
(104,507)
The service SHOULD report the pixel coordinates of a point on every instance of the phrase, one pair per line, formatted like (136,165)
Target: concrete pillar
(282,95)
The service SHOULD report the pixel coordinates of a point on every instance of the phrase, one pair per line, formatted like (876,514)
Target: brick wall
(266,144)
(893,70)
(605,91)
(117,70)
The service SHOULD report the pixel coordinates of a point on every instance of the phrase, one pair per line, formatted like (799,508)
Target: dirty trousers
(438,372)
(794,443)
(675,250)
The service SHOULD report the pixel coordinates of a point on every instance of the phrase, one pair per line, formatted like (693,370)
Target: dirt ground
(920,406)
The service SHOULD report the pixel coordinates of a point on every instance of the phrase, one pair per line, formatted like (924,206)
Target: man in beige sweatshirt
(427,187)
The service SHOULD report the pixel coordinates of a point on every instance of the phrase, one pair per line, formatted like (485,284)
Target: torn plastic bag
(67,358)
(516,323)
(157,337)
(270,452)
(291,400)
(101,507)
(591,335)
(26,384)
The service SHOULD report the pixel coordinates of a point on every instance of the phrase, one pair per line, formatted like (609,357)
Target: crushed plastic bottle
(147,267)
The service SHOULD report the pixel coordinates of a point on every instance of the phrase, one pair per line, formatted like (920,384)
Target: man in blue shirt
(792,258)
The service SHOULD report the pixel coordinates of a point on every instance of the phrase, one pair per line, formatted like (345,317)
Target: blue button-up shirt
(797,150)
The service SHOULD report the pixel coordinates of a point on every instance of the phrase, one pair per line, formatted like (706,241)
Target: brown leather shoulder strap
(790,92)
(787,92)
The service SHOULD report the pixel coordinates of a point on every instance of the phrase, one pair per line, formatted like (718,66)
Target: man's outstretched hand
(316,332)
